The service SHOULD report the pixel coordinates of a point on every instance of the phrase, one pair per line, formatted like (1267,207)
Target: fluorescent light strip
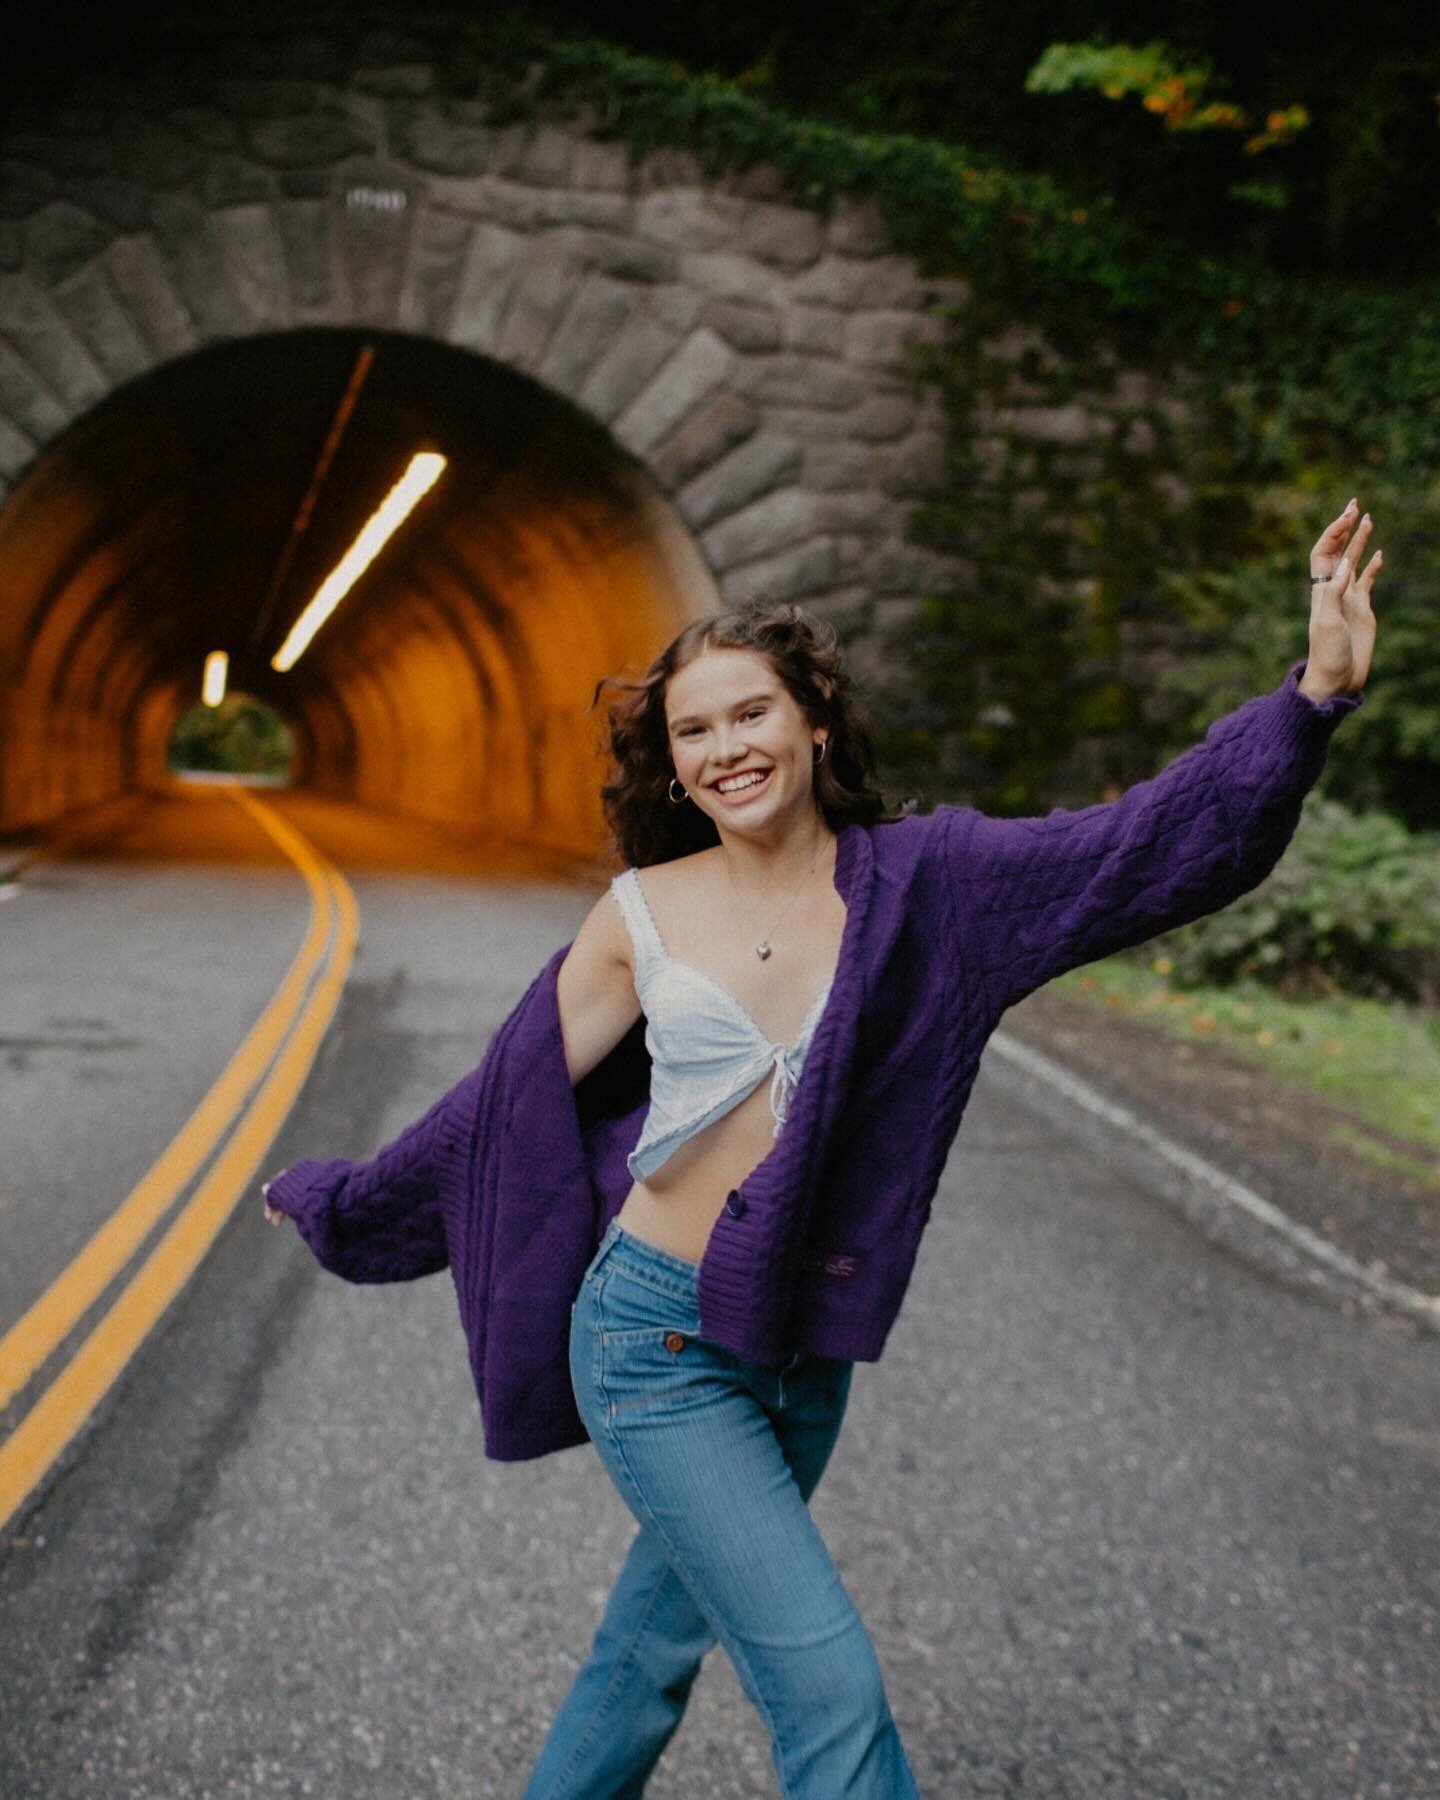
(217,667)
(424,471)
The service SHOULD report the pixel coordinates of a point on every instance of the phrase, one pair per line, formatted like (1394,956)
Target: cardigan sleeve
(380,1219)
(1038,896)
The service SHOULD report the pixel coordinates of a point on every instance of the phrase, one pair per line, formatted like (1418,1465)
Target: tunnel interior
(200,507)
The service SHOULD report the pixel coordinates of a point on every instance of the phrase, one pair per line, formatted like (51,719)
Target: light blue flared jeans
(717,1459)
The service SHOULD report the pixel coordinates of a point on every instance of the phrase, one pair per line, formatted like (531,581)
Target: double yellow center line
(268,1070)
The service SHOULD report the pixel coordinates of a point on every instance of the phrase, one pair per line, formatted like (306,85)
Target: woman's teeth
(742,784)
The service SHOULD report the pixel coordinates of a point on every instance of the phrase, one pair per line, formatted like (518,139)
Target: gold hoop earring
(684,793)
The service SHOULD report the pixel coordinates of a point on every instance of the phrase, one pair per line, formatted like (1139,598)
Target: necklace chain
(763,948)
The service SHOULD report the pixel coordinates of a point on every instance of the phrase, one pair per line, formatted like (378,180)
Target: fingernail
(1350,504)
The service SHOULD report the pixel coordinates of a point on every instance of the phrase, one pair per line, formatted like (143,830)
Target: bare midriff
(677,1207)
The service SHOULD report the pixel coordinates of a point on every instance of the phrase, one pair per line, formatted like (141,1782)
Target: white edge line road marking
(1418,1305)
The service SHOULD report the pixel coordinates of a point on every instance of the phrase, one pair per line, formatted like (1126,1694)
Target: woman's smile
(735,796)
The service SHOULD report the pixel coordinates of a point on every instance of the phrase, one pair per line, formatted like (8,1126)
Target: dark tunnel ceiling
(186,482)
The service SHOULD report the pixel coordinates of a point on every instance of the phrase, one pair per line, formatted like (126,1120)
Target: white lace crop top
(706,1052)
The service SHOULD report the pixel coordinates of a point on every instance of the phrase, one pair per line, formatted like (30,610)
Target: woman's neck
(765,867)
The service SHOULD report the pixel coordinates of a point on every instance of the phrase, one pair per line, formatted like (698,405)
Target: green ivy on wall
(1299,395)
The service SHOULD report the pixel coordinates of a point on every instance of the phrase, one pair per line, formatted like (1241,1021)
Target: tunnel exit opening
(199,508)
(240,736)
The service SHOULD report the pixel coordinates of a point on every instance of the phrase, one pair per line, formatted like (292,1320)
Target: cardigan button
(735,1204)
(674,1340)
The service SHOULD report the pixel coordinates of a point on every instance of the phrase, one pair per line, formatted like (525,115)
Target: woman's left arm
(1038,896)
(376,1219)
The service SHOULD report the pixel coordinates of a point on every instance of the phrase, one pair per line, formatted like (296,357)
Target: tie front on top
(706,1052)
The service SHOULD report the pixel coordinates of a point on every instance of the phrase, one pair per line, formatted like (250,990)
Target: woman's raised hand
(1342,626)
(272,1213)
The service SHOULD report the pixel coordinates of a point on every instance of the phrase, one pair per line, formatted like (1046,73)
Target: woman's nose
(730,746)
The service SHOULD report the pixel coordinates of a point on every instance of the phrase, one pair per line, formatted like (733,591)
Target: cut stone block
(41,336)
(816,330)
(707,435)
(306,233)
(254,263)
(689,218)
(544,284)
(143,283)
(27,401)
(789,378)
(808,568)
(485,287)
(439,248)
(197,266)
(699,366)
(748,328)
(598,312)
(94,312)
(753,469)
(790,237)
(627,365)
(769,524)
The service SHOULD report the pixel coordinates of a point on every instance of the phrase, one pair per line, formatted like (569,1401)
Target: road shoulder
(1276,1139)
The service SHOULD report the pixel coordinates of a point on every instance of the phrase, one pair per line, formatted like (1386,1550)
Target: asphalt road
(1124,1516)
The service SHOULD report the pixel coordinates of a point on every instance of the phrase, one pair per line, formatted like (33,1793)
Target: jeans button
(674,1340)
(735,1204)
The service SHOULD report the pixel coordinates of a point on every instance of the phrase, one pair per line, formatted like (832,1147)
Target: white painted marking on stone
(373,199)
(1399,1293)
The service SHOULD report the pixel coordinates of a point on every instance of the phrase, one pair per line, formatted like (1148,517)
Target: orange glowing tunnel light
(422,474)
(217,667)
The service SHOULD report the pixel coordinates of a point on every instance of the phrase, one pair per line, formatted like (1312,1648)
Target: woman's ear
(825,685)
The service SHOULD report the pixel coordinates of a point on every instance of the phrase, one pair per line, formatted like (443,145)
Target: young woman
(772,918)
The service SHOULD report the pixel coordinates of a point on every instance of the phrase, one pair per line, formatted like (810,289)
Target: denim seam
(598,1716)
(652,1287)
(677,1562)
(672,1287)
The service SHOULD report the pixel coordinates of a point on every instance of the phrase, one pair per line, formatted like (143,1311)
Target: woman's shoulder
(681,875)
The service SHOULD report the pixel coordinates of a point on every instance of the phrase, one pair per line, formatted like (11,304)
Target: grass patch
(1377,1059)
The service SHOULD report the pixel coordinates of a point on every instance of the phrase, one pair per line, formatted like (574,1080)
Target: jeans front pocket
(649,1353)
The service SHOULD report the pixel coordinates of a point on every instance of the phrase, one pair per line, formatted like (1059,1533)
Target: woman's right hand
(272,1213)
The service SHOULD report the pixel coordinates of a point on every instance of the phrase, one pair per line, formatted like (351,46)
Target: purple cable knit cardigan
(511,1177)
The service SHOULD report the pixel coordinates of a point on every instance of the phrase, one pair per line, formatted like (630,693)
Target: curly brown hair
(804,652)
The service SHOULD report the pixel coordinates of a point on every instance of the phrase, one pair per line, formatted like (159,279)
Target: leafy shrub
(1353,904)
(241,736)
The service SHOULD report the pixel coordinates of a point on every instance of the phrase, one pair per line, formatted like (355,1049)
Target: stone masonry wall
(753,354)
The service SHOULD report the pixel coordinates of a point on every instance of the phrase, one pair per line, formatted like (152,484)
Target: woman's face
(729,715)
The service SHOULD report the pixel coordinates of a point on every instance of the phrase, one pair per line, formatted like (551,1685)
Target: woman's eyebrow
(694,718)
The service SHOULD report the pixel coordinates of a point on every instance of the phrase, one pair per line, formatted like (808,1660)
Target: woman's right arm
(595,989)
(380,1220)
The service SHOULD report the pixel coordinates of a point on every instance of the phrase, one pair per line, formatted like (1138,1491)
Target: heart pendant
(762,950)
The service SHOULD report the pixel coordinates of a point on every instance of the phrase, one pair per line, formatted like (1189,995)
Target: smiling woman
(657,1250)
(771,675)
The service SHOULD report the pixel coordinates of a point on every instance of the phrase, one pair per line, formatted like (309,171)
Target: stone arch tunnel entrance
(194,509)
